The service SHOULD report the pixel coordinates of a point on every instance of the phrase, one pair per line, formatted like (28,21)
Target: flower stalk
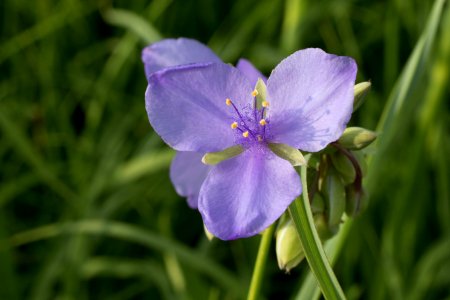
(301,214)
(258,272)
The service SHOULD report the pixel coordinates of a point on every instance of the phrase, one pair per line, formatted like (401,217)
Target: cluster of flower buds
(335,187)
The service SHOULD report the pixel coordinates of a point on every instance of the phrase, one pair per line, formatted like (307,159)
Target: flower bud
(356,138)
(318,204)
(334,191)
(288,246)
(322,227)
(344,166)
(361,158)
(360,91)
(357,201)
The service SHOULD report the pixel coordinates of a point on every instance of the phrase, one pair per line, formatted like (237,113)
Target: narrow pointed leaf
(301,214)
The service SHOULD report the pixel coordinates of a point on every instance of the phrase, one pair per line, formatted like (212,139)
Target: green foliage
(87,210)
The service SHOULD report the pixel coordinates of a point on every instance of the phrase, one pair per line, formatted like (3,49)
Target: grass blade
(136,235)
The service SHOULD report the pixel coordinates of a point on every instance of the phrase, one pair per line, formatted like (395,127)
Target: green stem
(300,212)
(260,264)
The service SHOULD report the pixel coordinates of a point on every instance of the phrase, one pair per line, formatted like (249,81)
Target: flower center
(250,122)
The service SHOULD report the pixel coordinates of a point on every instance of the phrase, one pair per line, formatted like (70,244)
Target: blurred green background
(87,210)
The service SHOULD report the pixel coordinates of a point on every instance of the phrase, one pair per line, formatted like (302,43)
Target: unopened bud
(318,204)
(334,192)
(357,201)
(288,246)
(361,158)
(356,138)
(360,91)
(322,227)
(344,166)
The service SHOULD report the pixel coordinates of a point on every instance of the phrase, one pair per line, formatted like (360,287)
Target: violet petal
(175,52)
(244,195)
(186,105)
(187,173)
(250,71)
(311,95)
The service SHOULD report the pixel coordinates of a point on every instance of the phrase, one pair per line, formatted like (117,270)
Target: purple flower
(210,106)
(187,172)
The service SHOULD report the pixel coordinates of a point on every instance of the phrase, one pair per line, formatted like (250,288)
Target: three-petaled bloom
(199,104)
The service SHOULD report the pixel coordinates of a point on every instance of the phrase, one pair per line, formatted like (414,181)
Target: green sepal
(261,88)
(357,138)
(314,161)
(208,234)
(360,91)
(213,158)
(292,155)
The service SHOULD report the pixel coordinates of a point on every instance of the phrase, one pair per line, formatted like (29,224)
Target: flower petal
(187,174)
(312,96)
(250,71)
(175,52)
(186,105)
(244,195)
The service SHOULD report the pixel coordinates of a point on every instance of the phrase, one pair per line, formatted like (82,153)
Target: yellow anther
(262,122)
(228,101)
(265,104)
(245,134)
(254,93)
(234,125)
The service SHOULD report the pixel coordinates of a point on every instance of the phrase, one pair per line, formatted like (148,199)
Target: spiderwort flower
(210,106)
(187,172)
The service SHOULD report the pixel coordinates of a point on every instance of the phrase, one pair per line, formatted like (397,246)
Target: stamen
(262,122)
(230,103)
(260,138)
(265,104)
(254,93)
(241,124)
